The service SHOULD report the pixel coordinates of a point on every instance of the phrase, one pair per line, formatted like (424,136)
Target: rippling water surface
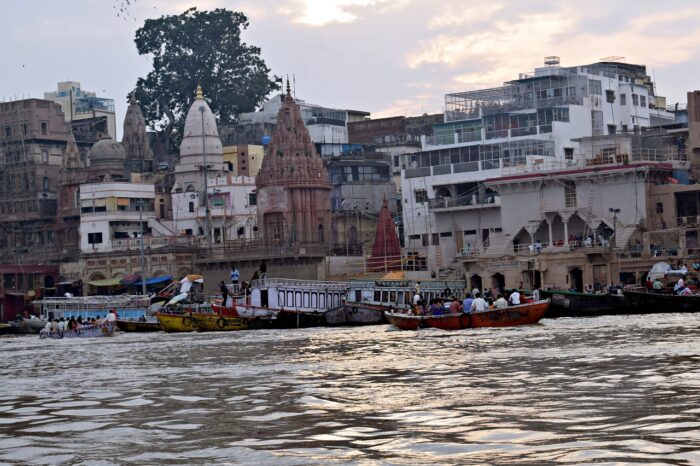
(615,390)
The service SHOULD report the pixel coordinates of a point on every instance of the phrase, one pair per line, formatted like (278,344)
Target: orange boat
(510,316)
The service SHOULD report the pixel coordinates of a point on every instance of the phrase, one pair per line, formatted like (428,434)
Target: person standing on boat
(500,303)
(514,299)
(112,316)
(657,286)
(235,277)
(536,294)
(263,269)
(681,283)
(456,306)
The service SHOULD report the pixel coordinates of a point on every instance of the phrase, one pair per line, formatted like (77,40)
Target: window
(94,238)
(191,207)
(314,300)
(8,131)
(306,299)
(597,122)
(44,128)
(569,153)
(610,96)
(594,87)
(280,299)
(322,300)
(421,196)
(446,234)
(569,194)
(297,299)
(45,156)
(24,129)
(188,232)
(623,99)
(240,231)
(253,199)
(45,183)
(624,128)
(642,101)
(659,208)
(424,239)
(635,99)
(436,239)
(611,129)
(290,298)
(413,237)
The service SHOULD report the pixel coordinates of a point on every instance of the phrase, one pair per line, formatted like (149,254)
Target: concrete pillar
(566,232)
(549,225)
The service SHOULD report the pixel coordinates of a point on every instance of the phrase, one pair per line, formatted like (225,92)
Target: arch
(190,188)
(475,282)
(352,235)
(320,233)
(96,276)
(159,273)
(498,280)
(576,278)
(118,275)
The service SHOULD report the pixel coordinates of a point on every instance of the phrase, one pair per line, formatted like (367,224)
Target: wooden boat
(103,329)
(176,321)
(572,303)
(218,323)
(523,314)
(404,321)
(650,302)
(138,326)
(398,293)
(356,314)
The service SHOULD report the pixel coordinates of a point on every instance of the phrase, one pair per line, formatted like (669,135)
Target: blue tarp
(155,280)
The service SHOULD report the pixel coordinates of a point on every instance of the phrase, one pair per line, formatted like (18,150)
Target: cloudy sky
(389,57)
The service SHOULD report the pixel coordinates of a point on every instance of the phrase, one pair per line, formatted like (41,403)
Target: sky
(388,57)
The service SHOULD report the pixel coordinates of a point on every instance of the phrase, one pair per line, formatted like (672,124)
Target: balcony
(449,204)
(150,242)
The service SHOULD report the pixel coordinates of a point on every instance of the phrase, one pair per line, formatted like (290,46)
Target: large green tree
(199,47)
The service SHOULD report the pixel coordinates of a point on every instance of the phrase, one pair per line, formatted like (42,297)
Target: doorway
(576,279)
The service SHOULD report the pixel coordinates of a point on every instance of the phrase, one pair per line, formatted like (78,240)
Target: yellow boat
(218,323)
(176,322)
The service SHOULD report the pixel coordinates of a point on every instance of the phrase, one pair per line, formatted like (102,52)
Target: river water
(615,389)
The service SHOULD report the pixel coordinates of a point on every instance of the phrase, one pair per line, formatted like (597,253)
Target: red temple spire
(386,251)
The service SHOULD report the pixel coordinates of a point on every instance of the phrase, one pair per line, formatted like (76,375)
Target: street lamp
(139,204)
(614,211)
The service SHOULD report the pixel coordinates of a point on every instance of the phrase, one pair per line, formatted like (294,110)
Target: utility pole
(207,211)
(139,203)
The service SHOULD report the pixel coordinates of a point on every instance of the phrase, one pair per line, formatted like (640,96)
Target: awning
(155,280)
(106,282)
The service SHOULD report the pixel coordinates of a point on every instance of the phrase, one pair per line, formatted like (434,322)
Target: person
(467,303)
(514,299)
(436,308)
(500,303)
(469,249)
(235,276)
(538,246)
(61,325)
(263,269)
(685,292)
(224,292)
(681,282)
(447,292)
(112,316)
(67,294)
(536,294)
(417,287)
(479,304)
(416,299)
(657,286)
(588,242)
(455,306)
(48,326)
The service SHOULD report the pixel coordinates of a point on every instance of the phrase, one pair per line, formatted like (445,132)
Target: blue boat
(103,329)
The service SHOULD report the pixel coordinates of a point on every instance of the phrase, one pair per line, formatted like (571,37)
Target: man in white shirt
(514,298)
(111,317)
(536,294)
(500,303)
(61,325)
(416,299)
(479,305)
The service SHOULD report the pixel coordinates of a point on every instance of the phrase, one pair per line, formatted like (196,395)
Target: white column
(566,232)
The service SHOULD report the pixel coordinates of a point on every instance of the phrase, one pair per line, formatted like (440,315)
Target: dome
(192,134)
(107,150)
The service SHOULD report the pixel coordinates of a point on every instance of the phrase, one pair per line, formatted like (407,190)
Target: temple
(135,139)
(386,251)
(293,185)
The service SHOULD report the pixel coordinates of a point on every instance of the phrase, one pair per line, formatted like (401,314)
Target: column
(566,232)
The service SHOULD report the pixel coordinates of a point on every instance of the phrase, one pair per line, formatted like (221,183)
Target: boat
(218,323)
(182,317)
(522,314)
(572,303)
(103,329)
(126,306)
(356,314)
(643,301)
(149,325)
(29,326)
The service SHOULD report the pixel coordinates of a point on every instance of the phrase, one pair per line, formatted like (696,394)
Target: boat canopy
(155,280)
(662,269)
(106,282)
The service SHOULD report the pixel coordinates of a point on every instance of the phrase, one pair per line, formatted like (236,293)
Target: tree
(202,47)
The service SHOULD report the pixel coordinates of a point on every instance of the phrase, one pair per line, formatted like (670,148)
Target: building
(541,122)
(293,185)
(244,159)
(78,104)
(135,139)
(33,139)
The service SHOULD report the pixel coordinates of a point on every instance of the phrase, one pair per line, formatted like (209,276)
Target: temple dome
(107,150)
(192,134)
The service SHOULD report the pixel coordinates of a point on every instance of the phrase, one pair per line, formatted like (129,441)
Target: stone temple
(293,184)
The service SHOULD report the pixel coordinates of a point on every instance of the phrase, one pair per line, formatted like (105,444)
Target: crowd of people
(73,323)
(474,301)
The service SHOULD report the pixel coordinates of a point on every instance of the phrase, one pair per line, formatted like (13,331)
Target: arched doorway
(475,282)
(576,279)
(498,280)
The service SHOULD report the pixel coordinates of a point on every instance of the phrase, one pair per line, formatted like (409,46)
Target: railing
(465,201)
(152,242)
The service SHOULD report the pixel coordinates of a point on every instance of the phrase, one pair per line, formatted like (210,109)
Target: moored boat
(139,326)
(103,329)
(176,321)
(523,314)
(650,302)
(356,314)
(218,323)
(572,303)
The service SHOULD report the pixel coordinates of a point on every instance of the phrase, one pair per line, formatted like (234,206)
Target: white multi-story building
(535,123)
(232,205)
(78,104)
(114,215)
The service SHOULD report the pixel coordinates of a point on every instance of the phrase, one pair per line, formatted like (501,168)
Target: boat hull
(218,323)
(356,314)
(299,319)
(566,304)
(136,326)
(644,302)
(100,330)
(511,316)
(176,322)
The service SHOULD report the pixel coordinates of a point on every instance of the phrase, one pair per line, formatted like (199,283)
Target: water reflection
(569,391)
